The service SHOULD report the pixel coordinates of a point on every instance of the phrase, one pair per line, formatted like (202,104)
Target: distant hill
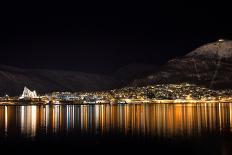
(209,65)
(13,80)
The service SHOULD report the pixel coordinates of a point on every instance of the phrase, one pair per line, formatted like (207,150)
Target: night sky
(100,41)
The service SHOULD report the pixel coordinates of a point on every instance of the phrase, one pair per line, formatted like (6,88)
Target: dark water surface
(161,128)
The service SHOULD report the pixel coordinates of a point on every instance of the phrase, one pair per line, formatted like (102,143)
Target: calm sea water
(168,123)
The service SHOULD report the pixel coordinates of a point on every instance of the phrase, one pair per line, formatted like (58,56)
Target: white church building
(27,94)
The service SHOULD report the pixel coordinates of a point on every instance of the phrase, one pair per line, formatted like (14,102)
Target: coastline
(63,103)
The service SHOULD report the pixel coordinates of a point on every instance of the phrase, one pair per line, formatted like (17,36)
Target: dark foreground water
(156,128)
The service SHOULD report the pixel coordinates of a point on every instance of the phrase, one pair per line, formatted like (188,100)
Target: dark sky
(101,40)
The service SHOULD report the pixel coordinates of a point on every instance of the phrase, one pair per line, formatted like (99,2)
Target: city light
(164,93)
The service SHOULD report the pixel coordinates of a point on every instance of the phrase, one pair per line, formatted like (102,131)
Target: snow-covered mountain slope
(220,48)
(209,65)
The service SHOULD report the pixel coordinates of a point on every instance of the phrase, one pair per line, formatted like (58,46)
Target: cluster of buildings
(183,92)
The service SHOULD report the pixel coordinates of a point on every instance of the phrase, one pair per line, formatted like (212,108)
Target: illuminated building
(27,94)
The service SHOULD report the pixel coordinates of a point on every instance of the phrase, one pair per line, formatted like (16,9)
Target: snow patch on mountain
(220,48)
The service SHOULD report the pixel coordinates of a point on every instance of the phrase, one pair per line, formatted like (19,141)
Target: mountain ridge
(13,80)
(207,65)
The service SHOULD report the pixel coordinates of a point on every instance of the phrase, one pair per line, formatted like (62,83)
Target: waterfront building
(28,94)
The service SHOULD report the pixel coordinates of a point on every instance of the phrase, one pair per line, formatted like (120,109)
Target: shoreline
(32,103)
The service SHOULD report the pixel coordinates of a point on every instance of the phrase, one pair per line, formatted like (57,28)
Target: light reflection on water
(163,120)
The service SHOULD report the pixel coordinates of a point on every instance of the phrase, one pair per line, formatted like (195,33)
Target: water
(158,124)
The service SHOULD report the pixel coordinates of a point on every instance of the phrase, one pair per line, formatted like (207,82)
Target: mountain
(219,49)
(13,80)
(209,65)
